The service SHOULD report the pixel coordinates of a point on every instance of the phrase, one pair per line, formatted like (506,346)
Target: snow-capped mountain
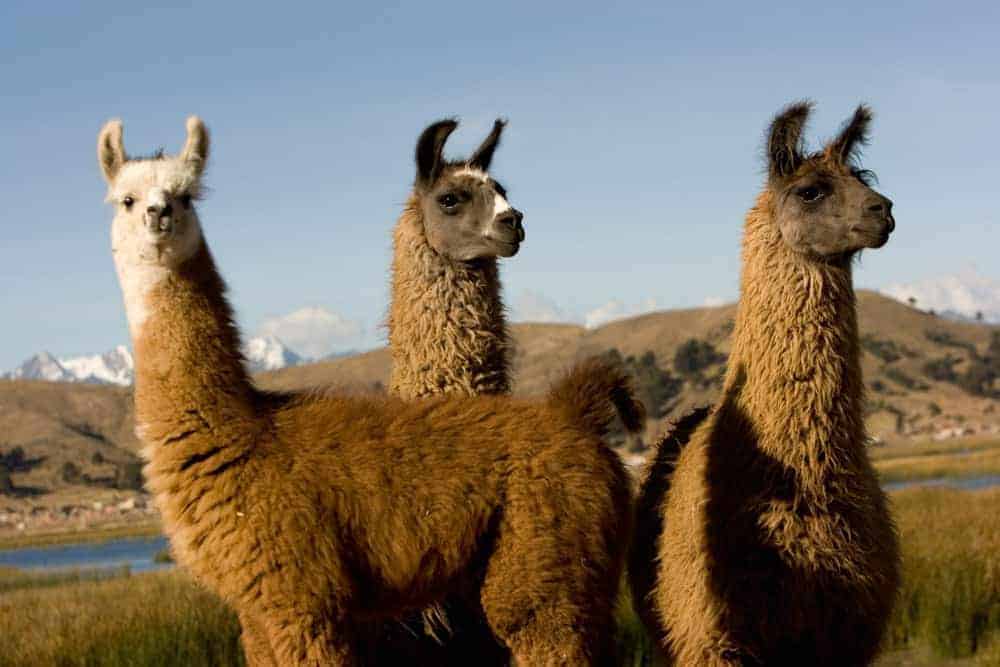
(113,367)
(42,366)
(264,353)
(961,295)
(267,353)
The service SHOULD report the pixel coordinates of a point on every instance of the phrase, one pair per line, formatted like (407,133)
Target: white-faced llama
(312,513)
(762,535)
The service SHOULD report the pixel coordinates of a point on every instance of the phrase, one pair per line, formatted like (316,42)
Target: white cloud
(713,302)
(314,331)
(536,307)
(617,309)
(964,293)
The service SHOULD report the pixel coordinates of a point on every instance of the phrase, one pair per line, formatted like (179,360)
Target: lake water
(136,553)
(965,484)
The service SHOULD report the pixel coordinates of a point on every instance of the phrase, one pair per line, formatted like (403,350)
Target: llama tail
(648,523)
(594,392)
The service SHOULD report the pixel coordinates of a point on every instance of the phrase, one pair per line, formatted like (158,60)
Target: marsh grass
(937,460)
(950,598)
(157,618)
(948,610)
(633,646)
(13,579)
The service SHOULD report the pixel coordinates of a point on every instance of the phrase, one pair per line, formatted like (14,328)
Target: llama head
(155,221)
(823,203)
(156,228)
(466,213)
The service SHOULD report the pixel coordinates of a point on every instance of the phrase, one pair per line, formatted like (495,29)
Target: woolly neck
(447,329)
(794,371)
(189,373)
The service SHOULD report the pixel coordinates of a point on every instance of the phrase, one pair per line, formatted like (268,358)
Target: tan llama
(312,513)
(447,331)
(765,539)
(448,334)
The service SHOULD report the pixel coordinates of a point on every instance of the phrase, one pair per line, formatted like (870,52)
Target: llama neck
(190,382)
(447,330)
(794,371)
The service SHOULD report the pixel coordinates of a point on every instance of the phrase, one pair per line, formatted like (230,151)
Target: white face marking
(142,258)
(156,197)
(474,173)
(500,205)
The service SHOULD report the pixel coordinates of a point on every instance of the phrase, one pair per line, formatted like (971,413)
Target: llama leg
(305,640)
(256,645)
(547,620)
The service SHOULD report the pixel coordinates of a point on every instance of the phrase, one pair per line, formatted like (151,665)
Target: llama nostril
(152,209)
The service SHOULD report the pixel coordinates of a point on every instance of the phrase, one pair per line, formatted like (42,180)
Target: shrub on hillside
(887,351)
(71,473)
(941,369)
(901,378)
(694,356)
(654,386)
(128,476)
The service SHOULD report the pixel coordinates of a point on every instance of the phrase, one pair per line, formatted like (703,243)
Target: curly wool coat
(766,538)
(447,330)
(311,513)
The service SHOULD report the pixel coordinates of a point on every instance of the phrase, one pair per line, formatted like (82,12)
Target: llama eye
(185,200)
(128,201)
(810,194)
(448,201)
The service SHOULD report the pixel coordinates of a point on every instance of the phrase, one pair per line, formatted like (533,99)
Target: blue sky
(633,146)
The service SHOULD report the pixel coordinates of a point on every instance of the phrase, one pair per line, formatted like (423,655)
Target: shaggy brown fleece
(447,334)
(777,546)
(310,513)
(447,330)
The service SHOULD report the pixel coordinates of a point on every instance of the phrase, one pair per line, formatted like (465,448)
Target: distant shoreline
(56,538)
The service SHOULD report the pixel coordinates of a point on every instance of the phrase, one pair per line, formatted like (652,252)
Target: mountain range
(116,366)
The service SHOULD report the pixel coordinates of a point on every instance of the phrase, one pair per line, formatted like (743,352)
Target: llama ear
(852,137)
(196,147)
(784,141)
(110,149)
(430,150)
(484,154)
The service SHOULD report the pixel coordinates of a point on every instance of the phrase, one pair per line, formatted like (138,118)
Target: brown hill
(918,368)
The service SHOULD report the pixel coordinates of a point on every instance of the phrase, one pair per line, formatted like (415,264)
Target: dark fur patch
(483,156)
(158,154)
(852,137)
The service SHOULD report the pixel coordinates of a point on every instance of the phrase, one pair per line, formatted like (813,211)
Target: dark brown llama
(762,535)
